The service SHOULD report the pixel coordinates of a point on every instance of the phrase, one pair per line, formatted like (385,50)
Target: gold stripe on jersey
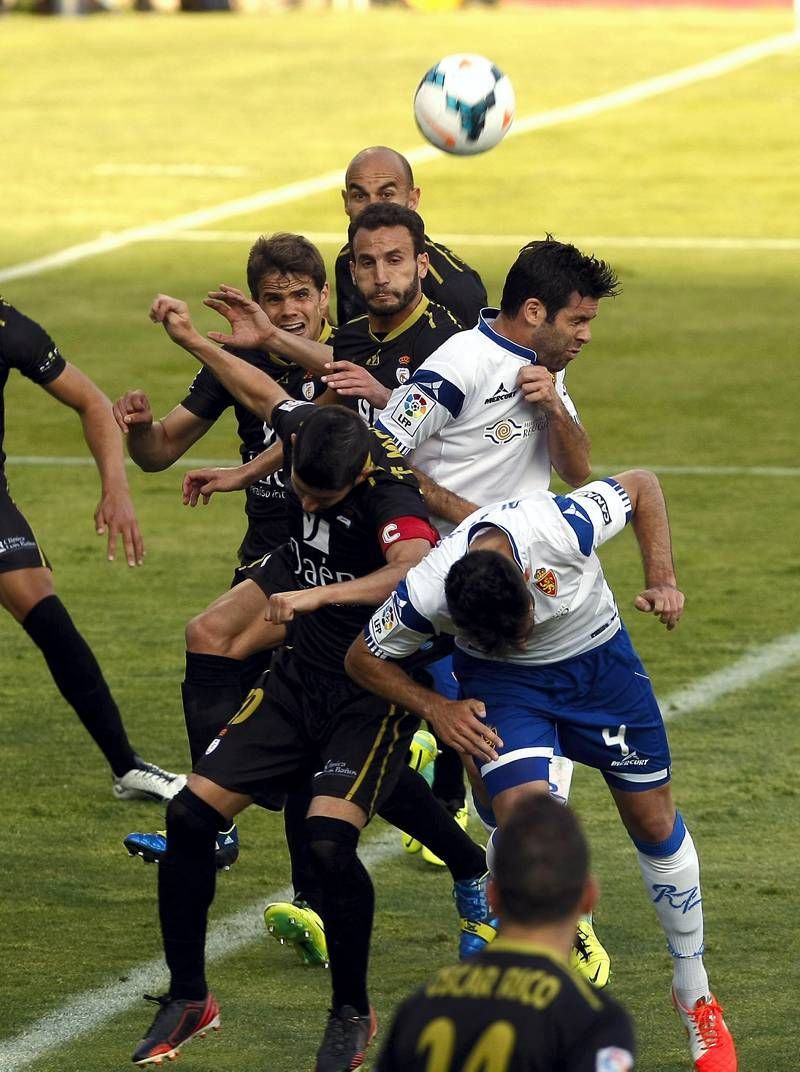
(389,752)
(410,320)
(432,271)
(448,256)
(368,761)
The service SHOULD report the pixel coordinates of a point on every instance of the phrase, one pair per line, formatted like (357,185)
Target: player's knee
(191,822)
(332,843)
(208,634)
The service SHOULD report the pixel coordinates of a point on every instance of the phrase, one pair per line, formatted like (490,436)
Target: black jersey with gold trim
(343,542)
(265,499)
(394,357)
(25,346)
(515,1008)
(450,282)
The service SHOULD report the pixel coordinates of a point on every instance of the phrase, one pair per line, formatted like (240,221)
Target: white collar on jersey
(515,348)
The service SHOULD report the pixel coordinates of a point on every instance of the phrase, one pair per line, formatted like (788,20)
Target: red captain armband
(406,528)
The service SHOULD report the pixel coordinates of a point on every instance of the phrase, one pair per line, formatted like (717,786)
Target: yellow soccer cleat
(297,925)
(421,754)
(588,957)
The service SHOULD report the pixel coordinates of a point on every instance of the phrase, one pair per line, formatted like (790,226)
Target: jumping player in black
(26,583)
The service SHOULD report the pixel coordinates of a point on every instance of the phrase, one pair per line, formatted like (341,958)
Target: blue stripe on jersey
(439,389)
(408,613)
(622,494)
(577,518)
(513,347)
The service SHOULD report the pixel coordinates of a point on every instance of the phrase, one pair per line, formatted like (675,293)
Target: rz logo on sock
(681,900)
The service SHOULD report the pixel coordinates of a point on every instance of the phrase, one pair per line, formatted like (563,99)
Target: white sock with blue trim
(671,873)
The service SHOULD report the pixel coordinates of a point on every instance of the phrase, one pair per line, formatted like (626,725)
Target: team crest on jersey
(308,390)
(404,359)
(545,580)
(613,1059)
(403,375)
(505,430)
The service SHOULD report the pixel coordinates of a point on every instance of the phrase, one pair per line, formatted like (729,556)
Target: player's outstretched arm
(252,329)
(115,513)
(460,724)
(202,483)
(252,387)
(661,595)
(156,445)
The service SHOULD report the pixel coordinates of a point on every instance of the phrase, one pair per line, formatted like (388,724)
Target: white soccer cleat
(146,781)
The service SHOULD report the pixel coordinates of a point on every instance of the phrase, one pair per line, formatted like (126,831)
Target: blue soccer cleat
(153,847)
(478,925)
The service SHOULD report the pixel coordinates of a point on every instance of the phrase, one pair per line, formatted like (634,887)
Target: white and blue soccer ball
(464,104)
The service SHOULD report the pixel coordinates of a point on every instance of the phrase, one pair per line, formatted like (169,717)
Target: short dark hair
(287,254)
(331,448)
(551,271)
(488,599)
(390,215)
(541,862)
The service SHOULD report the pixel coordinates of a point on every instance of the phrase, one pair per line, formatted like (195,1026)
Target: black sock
(348,904)
(448,777)
(186,881)
(80,680)
(412,808)
(212,694)
(304,875)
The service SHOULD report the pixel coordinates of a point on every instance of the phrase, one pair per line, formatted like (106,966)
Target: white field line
(88,1011)
(663,470)
(336,238)
(331,180)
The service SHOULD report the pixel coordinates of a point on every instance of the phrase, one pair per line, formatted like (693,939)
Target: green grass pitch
(693,371)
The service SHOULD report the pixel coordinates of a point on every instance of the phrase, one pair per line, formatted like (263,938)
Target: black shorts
(272,573)
(18,546)
(300,724)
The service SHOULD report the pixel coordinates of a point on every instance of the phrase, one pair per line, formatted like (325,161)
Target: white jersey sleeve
(596,512)
(432,398)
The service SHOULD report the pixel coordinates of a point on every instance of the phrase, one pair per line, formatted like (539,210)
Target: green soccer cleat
(588,957)
(299,926)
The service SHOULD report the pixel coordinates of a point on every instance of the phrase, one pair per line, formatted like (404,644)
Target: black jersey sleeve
(26,346)
(207,398)
(608,1044)
(348,300)
(394,491)
(452,283)
(288,415)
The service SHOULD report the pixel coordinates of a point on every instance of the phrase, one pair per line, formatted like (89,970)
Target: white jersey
(468,423)
(553,538)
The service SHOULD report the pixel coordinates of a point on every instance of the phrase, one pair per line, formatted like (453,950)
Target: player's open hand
(202,483)
(352,380)
(461,724)
(664,601)
(538,385)
(174,315)
(251,328)
(115,515)
(133,409)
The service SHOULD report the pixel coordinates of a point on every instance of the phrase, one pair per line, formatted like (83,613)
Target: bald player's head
(378,175)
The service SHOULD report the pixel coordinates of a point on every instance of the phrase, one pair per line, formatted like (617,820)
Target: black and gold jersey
(450,282)
(515,1008)
(345,541)
(394,357)
(265,499)
(27,347)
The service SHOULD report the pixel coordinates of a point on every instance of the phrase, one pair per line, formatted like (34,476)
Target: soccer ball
(464,104)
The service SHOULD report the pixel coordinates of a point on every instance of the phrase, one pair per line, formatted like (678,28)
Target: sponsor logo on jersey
(546,581)
(316,532)
(630,760)
(613,1059)
(336,768)
(505,430)
(384,620)
(595,496)
(403,375)
(374,361)
(412,409)
(500,395)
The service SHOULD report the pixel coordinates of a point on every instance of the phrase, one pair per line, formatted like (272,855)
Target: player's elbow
(639,483)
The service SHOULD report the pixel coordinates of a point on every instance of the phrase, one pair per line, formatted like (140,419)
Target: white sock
(672,881)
